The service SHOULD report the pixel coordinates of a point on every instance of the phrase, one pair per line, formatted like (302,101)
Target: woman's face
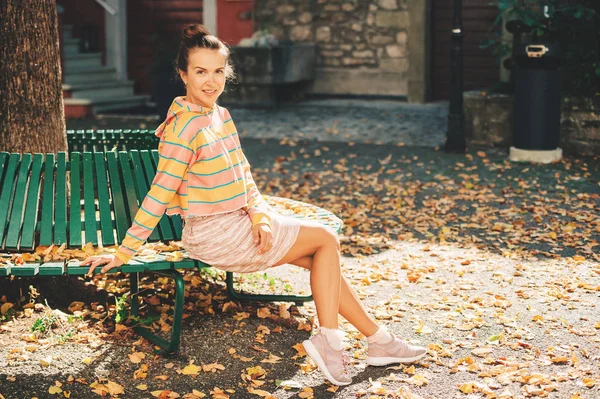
(205,76)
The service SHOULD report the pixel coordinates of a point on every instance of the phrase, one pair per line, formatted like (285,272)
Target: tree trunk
(31,108)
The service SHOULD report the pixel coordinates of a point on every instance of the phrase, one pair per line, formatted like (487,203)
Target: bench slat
(47,202)
(106,224)
(32,205)
(89,203)
(18,204)
(165,231)
(122,220)
(60,215)
(26,270)
(7,193)
(54,268)
(75,238)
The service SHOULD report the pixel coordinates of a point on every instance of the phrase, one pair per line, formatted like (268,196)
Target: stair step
(99,90)
(90,75)
(71,46)
(108,104)
(67,31)
(75,62)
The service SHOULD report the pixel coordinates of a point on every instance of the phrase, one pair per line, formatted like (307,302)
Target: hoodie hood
(179,107)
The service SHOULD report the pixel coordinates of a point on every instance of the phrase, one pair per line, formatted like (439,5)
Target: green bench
(104,140)
(92,198)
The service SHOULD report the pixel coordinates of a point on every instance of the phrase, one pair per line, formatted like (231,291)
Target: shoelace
(345,363)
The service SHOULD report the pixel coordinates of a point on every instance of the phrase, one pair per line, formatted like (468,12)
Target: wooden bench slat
(18,204)
(60,213)
(32,205)
(165,231)
(75,237)
(46,227)
(6,194)
(26,270)
(89,203)
(122,218)
(54,268)
(106,224)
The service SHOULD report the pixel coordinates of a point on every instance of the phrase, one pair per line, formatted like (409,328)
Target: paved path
(371,121)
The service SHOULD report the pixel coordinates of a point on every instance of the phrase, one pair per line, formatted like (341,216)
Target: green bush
(575,24)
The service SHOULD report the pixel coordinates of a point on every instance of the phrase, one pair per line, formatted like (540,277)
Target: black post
(455,138)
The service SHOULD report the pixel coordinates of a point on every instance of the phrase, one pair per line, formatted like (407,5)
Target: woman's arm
(175,156)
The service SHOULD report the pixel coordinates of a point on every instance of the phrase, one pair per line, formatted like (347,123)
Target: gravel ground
(439,273)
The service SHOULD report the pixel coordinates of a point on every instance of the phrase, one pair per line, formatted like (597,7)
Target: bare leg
(326,279)
(351,307)
(323,247)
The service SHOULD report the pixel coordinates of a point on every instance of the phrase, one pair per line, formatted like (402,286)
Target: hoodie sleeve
(175,156)
(257,206)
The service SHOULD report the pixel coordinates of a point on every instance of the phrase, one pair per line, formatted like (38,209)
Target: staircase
(89,87)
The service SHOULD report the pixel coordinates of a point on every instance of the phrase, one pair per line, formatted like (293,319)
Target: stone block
(363,54)
(380,40)
(388,4)
(285,9)
(396,50)
(301,33)
(348,6)
(305,17)
(399,65)
(323,34)
(392,19)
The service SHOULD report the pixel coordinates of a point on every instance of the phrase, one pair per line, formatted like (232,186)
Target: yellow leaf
(307,393)
(67,394)
(589,382)
(114,388)
(198,393)
(191,369)
(137,357)
(53,390)
(142,387)
(283,312)
(466,387)
(263,313)
(481,351)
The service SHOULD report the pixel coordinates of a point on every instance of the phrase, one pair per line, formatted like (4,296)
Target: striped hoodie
(202,170)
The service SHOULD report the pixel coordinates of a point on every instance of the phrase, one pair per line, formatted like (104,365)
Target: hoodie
(201,171)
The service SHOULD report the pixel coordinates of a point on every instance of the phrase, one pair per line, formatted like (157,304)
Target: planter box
(267,76)
(489,122)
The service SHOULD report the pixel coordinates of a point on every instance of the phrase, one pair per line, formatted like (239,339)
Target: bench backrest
(104,140)
(87,197)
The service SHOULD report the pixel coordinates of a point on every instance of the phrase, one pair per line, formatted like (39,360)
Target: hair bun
(195,31)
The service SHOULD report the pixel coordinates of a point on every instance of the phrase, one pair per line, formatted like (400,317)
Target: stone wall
(362,44)
(489,122)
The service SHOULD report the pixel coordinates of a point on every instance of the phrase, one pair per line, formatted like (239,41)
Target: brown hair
(197,36)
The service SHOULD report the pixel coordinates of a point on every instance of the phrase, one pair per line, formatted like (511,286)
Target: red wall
(234,20)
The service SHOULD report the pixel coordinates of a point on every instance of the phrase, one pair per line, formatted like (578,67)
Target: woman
(204,176)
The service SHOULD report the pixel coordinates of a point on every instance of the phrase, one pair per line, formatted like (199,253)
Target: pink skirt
(225,241)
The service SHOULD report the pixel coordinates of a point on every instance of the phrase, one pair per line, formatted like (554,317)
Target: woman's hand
(110,261)
(263,237)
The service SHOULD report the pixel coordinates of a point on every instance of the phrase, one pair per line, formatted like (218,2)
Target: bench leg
(299,300)
(173,344)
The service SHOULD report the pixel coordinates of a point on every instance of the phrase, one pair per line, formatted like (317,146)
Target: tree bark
(32,116)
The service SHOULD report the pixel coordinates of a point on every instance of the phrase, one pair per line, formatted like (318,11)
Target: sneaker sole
(316,357)
(385,361)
